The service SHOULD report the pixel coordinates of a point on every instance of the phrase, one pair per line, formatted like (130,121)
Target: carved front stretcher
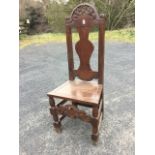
(82,92)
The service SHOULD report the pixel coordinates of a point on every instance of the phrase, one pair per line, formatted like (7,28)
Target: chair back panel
(84,17)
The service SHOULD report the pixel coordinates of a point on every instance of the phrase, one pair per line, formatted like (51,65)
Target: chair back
(83,18)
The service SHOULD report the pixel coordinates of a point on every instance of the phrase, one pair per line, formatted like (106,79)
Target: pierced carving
(73,112)
(84,10)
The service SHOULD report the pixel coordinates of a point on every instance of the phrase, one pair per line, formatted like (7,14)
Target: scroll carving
(73,112)
(84,10)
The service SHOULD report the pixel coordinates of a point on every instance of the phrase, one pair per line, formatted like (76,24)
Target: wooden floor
(79,90)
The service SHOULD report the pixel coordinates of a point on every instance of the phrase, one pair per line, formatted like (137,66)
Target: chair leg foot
(57,127)
(95,138)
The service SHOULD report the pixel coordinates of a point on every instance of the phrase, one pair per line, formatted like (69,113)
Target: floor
(44,67)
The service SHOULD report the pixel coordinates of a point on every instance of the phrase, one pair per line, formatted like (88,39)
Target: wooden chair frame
(83,18)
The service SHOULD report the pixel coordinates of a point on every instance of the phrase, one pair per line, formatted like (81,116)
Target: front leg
(95,124)
(57,123)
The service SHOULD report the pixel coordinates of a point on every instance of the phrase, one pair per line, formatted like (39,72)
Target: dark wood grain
(82,92)
(84,49)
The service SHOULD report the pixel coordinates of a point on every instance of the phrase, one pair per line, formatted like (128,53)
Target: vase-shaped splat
(84,49)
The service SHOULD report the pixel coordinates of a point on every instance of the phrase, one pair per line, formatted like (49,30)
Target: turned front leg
(53,112)
(95,124)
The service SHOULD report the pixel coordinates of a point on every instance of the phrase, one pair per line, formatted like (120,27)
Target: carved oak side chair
(84,91)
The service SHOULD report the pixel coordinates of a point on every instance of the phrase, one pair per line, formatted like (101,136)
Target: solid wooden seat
(80,91)
(86,91)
